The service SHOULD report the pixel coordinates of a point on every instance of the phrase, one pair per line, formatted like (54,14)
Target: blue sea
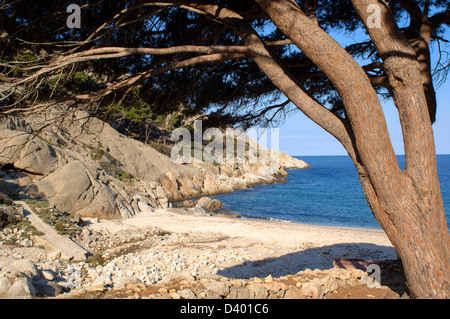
(328,194)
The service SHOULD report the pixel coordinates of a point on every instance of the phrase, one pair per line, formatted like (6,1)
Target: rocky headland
(81,165)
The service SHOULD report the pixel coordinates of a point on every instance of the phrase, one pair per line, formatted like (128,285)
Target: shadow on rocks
(322,258)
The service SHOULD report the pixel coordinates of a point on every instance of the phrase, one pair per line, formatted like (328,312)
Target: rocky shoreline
(81,165)
(149,262)
(111,196)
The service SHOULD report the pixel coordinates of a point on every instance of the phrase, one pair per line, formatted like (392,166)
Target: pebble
(177,273)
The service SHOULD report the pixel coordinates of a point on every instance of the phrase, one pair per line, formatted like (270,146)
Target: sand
(262,247)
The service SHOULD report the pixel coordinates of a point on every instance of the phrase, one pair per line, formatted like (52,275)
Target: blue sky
(299,136)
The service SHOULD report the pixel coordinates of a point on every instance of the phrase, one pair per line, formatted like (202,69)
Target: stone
(188,203)
(37,157)
(258,290)
(272,287)
(217,287)
(174,295)
(48,275)
(240,293)
(17,287)
(69,186)
(199,211)
(177,277)
(292,292)
(163,291)
(208,294)
(76,219)
(101,283)
(48,289)
(5,283)
(312,290)
(54,255)
(223,212)
(187,294)
(78,174)
(23,266)
(209,204)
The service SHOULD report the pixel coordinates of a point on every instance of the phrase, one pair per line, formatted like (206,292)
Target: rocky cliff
(82,165)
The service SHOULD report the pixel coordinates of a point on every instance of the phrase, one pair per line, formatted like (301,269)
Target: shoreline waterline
(328,194)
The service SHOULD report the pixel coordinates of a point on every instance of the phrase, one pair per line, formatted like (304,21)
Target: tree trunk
(414,218)
(407,204)
(419,234)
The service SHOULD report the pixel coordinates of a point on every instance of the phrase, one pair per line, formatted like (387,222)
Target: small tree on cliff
(230,54)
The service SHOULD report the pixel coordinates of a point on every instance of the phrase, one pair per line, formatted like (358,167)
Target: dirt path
(68,248)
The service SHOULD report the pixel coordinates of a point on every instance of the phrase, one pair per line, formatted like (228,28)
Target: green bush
(124,176)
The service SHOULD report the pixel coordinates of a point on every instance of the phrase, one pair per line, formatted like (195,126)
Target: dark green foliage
(124,176)
(232,92)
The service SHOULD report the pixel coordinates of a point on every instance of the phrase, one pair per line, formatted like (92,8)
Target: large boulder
(69,187)
(37,157)
(16,280)
(27,152)
(209,204)
(16,287)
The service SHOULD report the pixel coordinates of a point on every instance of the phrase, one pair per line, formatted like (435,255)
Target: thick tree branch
(440,18)
(403,69)
(118,52)
(139,77)
(415,13)
(371,138)
(274,70)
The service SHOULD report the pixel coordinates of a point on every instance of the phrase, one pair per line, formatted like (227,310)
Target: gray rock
(211,295)
(46,288)
(101,283)
(293,292)
(23,266)
(77,172)
(199,211)
(312,290)
(217,287)
(16,287)
(54,255)
(69,187)
(240,293)
(187,294)
(209,204)
(258,290)
(4,286)
(37,157)
(223,212)
(177,277)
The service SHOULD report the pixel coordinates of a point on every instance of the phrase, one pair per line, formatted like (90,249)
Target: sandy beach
(263,246)
(170,253)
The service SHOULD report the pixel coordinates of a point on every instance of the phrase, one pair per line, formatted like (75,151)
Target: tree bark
(418,229)
(407,204)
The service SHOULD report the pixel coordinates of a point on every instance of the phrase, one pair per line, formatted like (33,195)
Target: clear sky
(299,136)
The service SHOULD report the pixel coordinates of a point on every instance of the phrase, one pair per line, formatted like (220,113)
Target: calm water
(328,194)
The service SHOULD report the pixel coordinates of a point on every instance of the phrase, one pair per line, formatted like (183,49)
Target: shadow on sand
(320,258)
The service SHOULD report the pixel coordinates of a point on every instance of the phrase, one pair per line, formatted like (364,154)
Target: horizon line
(347,154)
